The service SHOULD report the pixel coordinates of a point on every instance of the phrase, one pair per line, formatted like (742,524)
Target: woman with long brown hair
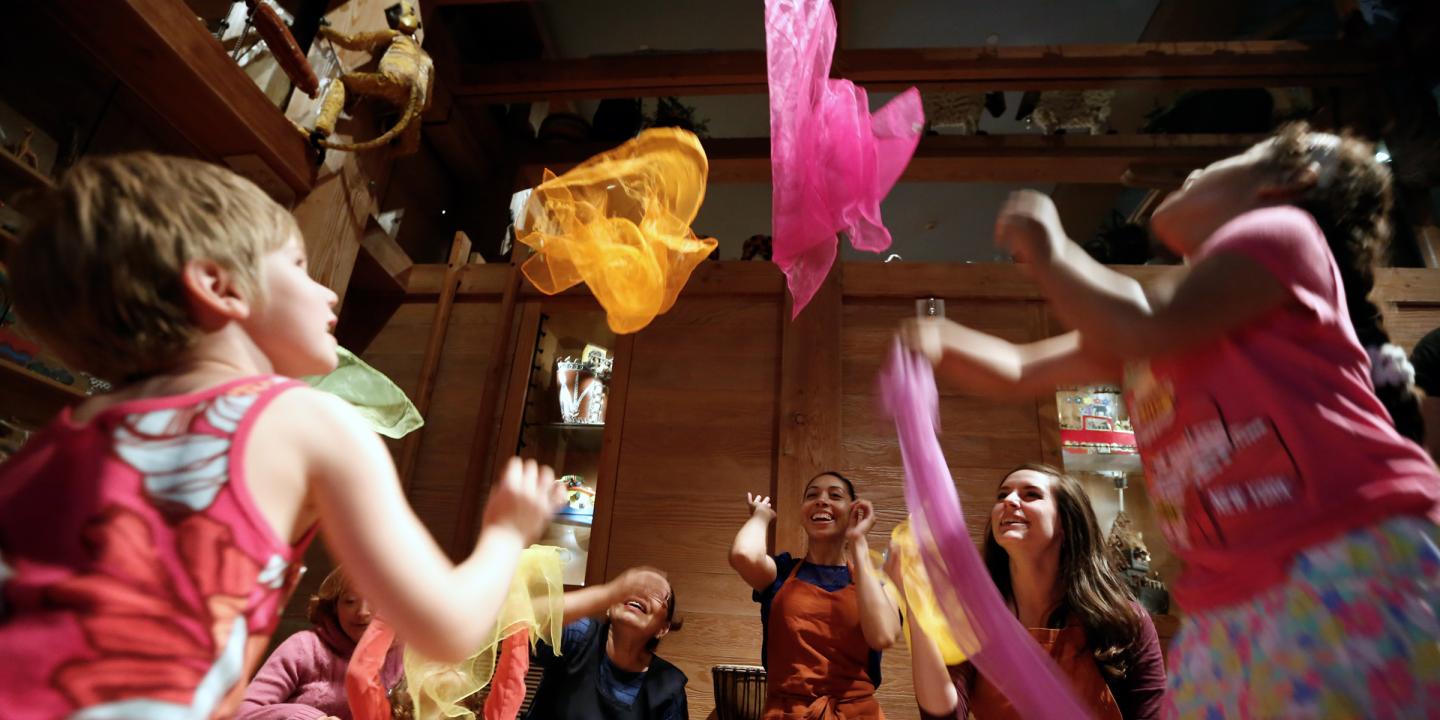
(1043,549)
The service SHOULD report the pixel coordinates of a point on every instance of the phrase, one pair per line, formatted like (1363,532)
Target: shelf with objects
(49,120)
(1098,446)
(562,421)
(34,385)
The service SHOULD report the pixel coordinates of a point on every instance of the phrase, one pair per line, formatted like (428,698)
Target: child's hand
(1028,227)
(760,507)
(862,518)
(925,336)
(645,582)
(524,499)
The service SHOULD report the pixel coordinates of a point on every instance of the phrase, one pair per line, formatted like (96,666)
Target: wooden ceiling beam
(960,158)
(447,3)
(997,281)
(166,57)
(1050,67)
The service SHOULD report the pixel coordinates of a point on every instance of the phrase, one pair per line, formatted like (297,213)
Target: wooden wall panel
(1409,322)
(450,428)
(808,410)
(699,432)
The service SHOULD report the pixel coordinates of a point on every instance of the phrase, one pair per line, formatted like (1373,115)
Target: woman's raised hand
(760,506)
(862,518)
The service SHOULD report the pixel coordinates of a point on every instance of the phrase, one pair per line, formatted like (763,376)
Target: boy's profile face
(294,321)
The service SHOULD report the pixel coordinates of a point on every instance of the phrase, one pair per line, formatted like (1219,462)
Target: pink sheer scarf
(981,623)
(831,160)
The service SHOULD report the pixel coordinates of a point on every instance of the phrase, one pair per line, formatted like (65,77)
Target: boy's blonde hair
(99,274)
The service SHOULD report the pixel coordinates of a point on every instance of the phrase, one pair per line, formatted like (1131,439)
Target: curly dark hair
(1352,207)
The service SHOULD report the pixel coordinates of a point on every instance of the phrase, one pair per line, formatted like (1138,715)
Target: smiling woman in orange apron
(1042,531)
(826,616)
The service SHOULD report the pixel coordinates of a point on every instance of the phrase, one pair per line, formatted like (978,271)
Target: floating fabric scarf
(366,694)
(982,625)
(620,223)
(831,161)
(378,399)
(919,606)
(507,688)
(535,605)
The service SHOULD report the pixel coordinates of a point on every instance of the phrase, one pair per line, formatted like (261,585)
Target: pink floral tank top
(137,577)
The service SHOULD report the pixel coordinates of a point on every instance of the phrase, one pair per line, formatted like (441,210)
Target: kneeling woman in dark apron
(826,616)
(607,668)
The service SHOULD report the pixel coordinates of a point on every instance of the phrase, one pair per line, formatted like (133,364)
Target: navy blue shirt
(618,685)
(826,577)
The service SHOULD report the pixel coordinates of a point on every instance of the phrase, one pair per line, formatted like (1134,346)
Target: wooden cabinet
(564,409)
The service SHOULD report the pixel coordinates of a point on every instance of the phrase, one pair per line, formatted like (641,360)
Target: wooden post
(512,418)
(597,568)
(809,405)
(476,477)
(1047,411)
(430,365)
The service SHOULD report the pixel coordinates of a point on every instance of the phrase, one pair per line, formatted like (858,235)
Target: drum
(739,691)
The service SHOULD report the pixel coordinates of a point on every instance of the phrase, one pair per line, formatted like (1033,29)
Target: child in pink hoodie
(304,679)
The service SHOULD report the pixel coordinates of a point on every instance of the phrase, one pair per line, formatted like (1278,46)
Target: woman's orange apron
(817,655)
(1070,651)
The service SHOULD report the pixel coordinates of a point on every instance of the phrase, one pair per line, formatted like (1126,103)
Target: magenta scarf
(831,160)
(996,643)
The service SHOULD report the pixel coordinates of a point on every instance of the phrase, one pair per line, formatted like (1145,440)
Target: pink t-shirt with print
(137,577)
(1271,439)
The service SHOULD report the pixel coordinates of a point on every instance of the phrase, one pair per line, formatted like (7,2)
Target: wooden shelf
(31,398)
(583,521)
(164,54)
(581,437)
(963,158)
(1147,66)
(16,175)
(1100,462)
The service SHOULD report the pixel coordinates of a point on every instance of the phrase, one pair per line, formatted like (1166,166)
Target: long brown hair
(1352,207)
(1094,594)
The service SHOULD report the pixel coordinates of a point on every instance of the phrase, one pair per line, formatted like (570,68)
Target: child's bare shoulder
(306,407)
(313,422)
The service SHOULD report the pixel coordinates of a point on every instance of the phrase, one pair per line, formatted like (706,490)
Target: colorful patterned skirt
(1353,633)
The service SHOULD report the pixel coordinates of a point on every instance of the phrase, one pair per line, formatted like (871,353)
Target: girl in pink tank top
(150,537)
(1276,423)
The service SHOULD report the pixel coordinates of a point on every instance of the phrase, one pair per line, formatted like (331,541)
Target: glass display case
(1098,447)
(1095,430)
(563,423)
